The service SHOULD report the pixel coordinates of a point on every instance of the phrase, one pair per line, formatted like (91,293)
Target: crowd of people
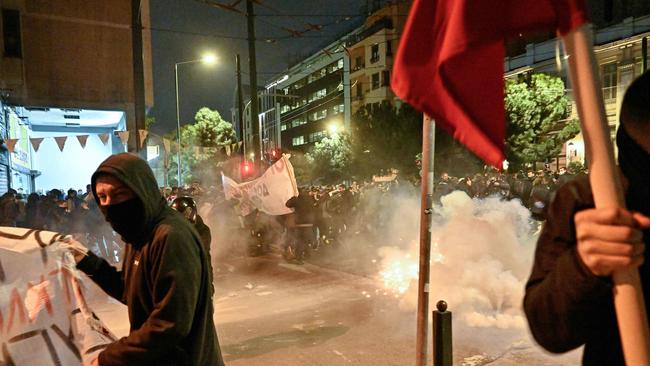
(322,214)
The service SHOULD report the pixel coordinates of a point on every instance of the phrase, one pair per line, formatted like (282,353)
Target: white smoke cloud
(480,259)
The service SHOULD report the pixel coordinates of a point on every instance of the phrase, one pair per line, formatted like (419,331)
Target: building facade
(371,53)
(72,56)
(618,52)
(310,100)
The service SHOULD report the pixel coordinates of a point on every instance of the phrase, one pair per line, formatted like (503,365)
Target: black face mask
(127,219)
(635,164)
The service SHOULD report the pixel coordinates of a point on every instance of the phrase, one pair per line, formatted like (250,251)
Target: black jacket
(566,305)
(166,282)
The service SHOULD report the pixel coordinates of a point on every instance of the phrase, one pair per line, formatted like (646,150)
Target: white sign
(44,318)
(268,193)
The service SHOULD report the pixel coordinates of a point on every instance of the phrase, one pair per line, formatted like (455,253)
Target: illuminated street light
(207,59)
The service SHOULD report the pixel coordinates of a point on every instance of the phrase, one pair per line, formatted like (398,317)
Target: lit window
(375,80)
(374,53)
(610,80)
(297,141)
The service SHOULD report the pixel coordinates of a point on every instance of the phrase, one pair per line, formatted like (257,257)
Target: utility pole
(255,125)
(138,75)
(240,101)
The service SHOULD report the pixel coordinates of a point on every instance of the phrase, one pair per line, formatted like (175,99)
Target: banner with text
(268,193)
(44,318)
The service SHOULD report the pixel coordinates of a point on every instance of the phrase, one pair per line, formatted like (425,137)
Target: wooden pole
(606,187)
(428,129)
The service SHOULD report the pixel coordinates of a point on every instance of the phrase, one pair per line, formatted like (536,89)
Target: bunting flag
(11,143)
(239,144)
(233,147)
(435,67)
(166,145)
(228,150)
(60,140)
(36,142)
(104,138)
(143,135)
(124,136)
(82,140)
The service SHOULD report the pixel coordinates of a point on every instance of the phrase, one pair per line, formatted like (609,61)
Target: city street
(269,312)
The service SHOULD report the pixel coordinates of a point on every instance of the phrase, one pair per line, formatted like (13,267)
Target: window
(283,127)
(610,78)
(318,115)
(359,91)
(11,33)
(285,108)
(318,95)
(339,64)
(385,78)
(337,109)
(298,122)
(297,141)
(317,136)
(358,63)
(374,53)
(389,48)
(375,80)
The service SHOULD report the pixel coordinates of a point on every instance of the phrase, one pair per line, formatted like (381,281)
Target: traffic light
(246,170)
(274,155)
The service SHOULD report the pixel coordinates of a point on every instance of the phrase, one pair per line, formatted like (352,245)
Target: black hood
(137,175)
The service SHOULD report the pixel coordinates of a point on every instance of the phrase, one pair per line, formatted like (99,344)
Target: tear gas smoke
(480,257)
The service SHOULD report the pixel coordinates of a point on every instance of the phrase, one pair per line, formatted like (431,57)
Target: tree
(331,158)
(201,147)
(386,137)
(537,109)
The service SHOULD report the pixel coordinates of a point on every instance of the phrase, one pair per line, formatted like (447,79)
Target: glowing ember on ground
(398,273)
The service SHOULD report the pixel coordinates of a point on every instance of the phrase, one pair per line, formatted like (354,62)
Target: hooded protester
(165,280)
(569,299)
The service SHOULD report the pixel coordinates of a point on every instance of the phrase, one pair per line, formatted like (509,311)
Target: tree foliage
(331,158)
(386,137)
(201,147)
(537,109)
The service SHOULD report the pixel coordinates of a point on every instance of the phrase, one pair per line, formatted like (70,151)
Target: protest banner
(44,318)
(268,193)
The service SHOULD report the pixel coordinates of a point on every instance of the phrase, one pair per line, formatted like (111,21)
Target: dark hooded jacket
(165,281)
(566,305)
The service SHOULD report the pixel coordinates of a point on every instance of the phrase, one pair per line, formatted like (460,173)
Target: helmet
(186,206)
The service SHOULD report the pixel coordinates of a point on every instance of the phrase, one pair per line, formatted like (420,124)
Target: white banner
(268,193)
(44,318)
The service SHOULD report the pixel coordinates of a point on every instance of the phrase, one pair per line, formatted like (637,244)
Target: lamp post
(207,59)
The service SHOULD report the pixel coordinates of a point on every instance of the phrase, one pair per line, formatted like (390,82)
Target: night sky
(183,30)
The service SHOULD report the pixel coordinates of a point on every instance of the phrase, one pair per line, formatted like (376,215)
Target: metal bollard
(442,350)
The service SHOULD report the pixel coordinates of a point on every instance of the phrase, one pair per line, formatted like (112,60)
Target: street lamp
(208,59)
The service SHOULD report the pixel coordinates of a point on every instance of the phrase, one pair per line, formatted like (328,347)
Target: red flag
(450,62)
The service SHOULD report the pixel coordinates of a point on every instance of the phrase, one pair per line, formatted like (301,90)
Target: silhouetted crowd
(322,214)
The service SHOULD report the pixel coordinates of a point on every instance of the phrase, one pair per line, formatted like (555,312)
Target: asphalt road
(269,312)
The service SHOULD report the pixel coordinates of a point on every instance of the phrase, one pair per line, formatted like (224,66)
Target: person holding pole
(568,299)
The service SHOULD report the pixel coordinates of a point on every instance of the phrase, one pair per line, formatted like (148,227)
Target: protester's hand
(610,239)
(95,362)
(79,251)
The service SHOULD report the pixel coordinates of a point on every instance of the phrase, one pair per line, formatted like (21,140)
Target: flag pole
(428,143)
(606,187)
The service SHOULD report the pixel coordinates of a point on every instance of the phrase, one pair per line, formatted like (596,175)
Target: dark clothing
(165,281)
(8,210)
(303,206)
(566,305)
(204,233)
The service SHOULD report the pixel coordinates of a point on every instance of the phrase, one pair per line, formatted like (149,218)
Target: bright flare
(398,274)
